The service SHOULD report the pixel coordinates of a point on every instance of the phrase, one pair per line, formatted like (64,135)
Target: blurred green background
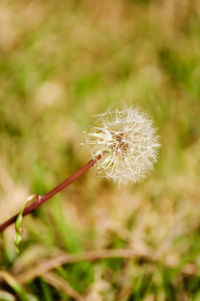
(60,63)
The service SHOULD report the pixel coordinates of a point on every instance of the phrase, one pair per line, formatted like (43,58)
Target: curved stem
(42,199)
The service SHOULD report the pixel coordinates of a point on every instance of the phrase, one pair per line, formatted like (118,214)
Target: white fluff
(127,142)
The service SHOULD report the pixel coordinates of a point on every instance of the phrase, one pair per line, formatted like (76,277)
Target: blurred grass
(60,62)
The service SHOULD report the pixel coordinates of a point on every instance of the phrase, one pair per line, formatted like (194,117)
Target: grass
(60,63)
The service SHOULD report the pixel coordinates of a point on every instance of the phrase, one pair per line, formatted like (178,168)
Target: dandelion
(127,142)
(124,147)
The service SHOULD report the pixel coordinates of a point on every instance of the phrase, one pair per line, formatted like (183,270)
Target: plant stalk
(42,199)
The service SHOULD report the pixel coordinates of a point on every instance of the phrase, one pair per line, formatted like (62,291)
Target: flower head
(127,142)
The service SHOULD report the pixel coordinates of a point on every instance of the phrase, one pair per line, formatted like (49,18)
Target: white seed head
(128,144)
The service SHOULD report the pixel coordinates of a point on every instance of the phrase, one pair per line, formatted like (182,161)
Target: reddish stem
(42,199)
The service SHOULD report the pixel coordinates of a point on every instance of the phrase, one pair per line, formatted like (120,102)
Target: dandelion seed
(127,142)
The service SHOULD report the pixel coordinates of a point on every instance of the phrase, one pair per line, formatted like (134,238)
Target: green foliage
(79,275)
(18,230)
(46,291)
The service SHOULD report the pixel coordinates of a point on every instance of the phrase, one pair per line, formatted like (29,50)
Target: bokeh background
(60,63)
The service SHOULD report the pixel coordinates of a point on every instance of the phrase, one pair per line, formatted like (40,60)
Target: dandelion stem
(42,199)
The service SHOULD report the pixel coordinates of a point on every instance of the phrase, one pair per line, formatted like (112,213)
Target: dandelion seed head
(128,144)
